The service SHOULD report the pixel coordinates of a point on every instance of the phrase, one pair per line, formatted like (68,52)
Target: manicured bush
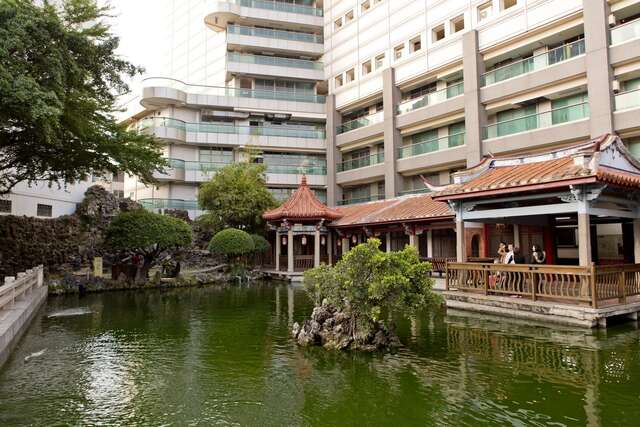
(260,244)
(231,243)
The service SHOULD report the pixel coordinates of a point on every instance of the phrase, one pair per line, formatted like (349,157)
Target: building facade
(243,81)
(420,89)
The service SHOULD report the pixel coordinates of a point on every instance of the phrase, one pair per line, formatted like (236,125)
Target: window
(44,210)
(349,16)
(398,51)
(438,33)
(366,67)
(365,5)
(350,75)
(337,24)
(507,4)
(338,81)
(380,61)
(415,44)
(457,24)
(484,11)
(5,206)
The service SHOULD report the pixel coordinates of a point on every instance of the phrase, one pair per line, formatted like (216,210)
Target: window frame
(4,203)
(434,33)
(40,206)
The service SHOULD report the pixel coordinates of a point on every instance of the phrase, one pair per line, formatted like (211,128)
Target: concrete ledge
(541,311)
(15,321)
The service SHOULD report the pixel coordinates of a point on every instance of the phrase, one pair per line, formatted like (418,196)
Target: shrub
(260,244)
(231,243)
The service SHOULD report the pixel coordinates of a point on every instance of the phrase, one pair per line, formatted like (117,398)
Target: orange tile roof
(575,165)
(400,209)
(302,205)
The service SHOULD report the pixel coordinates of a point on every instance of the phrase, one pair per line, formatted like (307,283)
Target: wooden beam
(556,208)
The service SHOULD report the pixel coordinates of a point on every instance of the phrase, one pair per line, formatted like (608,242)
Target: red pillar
(549,244)
(485,238)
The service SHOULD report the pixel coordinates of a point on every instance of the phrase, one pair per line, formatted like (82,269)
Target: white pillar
(636,241)
(316,248)
(278,250)
(388,241)
(430,243)
(413,240)
(584,239)
(290,251)
(345,245)
(329,244)
(516,235)
(461,249)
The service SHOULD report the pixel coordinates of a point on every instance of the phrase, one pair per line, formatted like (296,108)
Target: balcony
(625,32)
(360,162)
(537,121)
(297,169)
(275,34)
(450,141)
(188,205)
(241,37)
(415,191)
(263,13)
(534,63)
(232,92)
(372,198)
(274,66)
(432,98)
(360,122)
(626,100)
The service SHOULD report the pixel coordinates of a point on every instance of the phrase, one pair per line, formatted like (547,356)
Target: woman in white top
(509,256)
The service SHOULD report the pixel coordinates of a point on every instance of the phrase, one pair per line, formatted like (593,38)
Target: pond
(224,356)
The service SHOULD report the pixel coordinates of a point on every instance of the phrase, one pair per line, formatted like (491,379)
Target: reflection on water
(218,356)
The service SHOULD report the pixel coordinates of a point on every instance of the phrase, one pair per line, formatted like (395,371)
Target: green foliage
(60,79)
(367,281)
(231,243)
(147,233)
(236,197)
(260,244)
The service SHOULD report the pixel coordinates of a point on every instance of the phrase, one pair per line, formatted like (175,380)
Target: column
(392,137)
(334,191)
(345,245)
(636,240)
(516,235)
(316,248)
(290,251)
(414,241)
(584,238)
(475,115)
(461,247)
(278,250)
(599,72)
(329,248)
(430,243)
(388,242)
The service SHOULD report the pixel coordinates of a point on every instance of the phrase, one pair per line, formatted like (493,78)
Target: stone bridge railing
(23,284)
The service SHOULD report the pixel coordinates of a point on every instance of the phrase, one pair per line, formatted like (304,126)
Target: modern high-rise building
(242,79)
(418,89)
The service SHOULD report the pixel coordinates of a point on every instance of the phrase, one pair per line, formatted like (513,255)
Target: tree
(236,197)
(60,79)
(260,244)
(231,243)
(367,282)
(148,234)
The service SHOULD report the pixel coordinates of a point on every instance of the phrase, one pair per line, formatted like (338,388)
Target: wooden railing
(284,263)
(593,285)
(16,287)
(302,262)
(438,264)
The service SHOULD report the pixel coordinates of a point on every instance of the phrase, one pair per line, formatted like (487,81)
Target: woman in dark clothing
(538,256)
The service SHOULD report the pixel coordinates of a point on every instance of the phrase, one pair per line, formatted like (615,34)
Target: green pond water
(224,356)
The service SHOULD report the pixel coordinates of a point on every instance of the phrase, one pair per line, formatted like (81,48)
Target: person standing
(502,251)
(509,256)
(538,256)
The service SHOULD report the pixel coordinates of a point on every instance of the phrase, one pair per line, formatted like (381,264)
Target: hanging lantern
(339,242)
(500,228)
(323,241)
(354,239)
(284,240)
(304,240)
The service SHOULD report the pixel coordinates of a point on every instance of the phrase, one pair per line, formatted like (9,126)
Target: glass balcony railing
(280,6)
(625,32)
(537,121)
(232,91)
(365,199)
(360,162)
(432,145)
(275,34)
(274,61)
(415,191)
(533,63)
(432,98)
(297,169)
(629,99)
(188,205)
(207,167)
(228,128)
(360,122)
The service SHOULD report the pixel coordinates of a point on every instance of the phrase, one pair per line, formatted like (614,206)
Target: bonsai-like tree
(236,197)
(367,282)
(231,243)
(147,234)
(60,79)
